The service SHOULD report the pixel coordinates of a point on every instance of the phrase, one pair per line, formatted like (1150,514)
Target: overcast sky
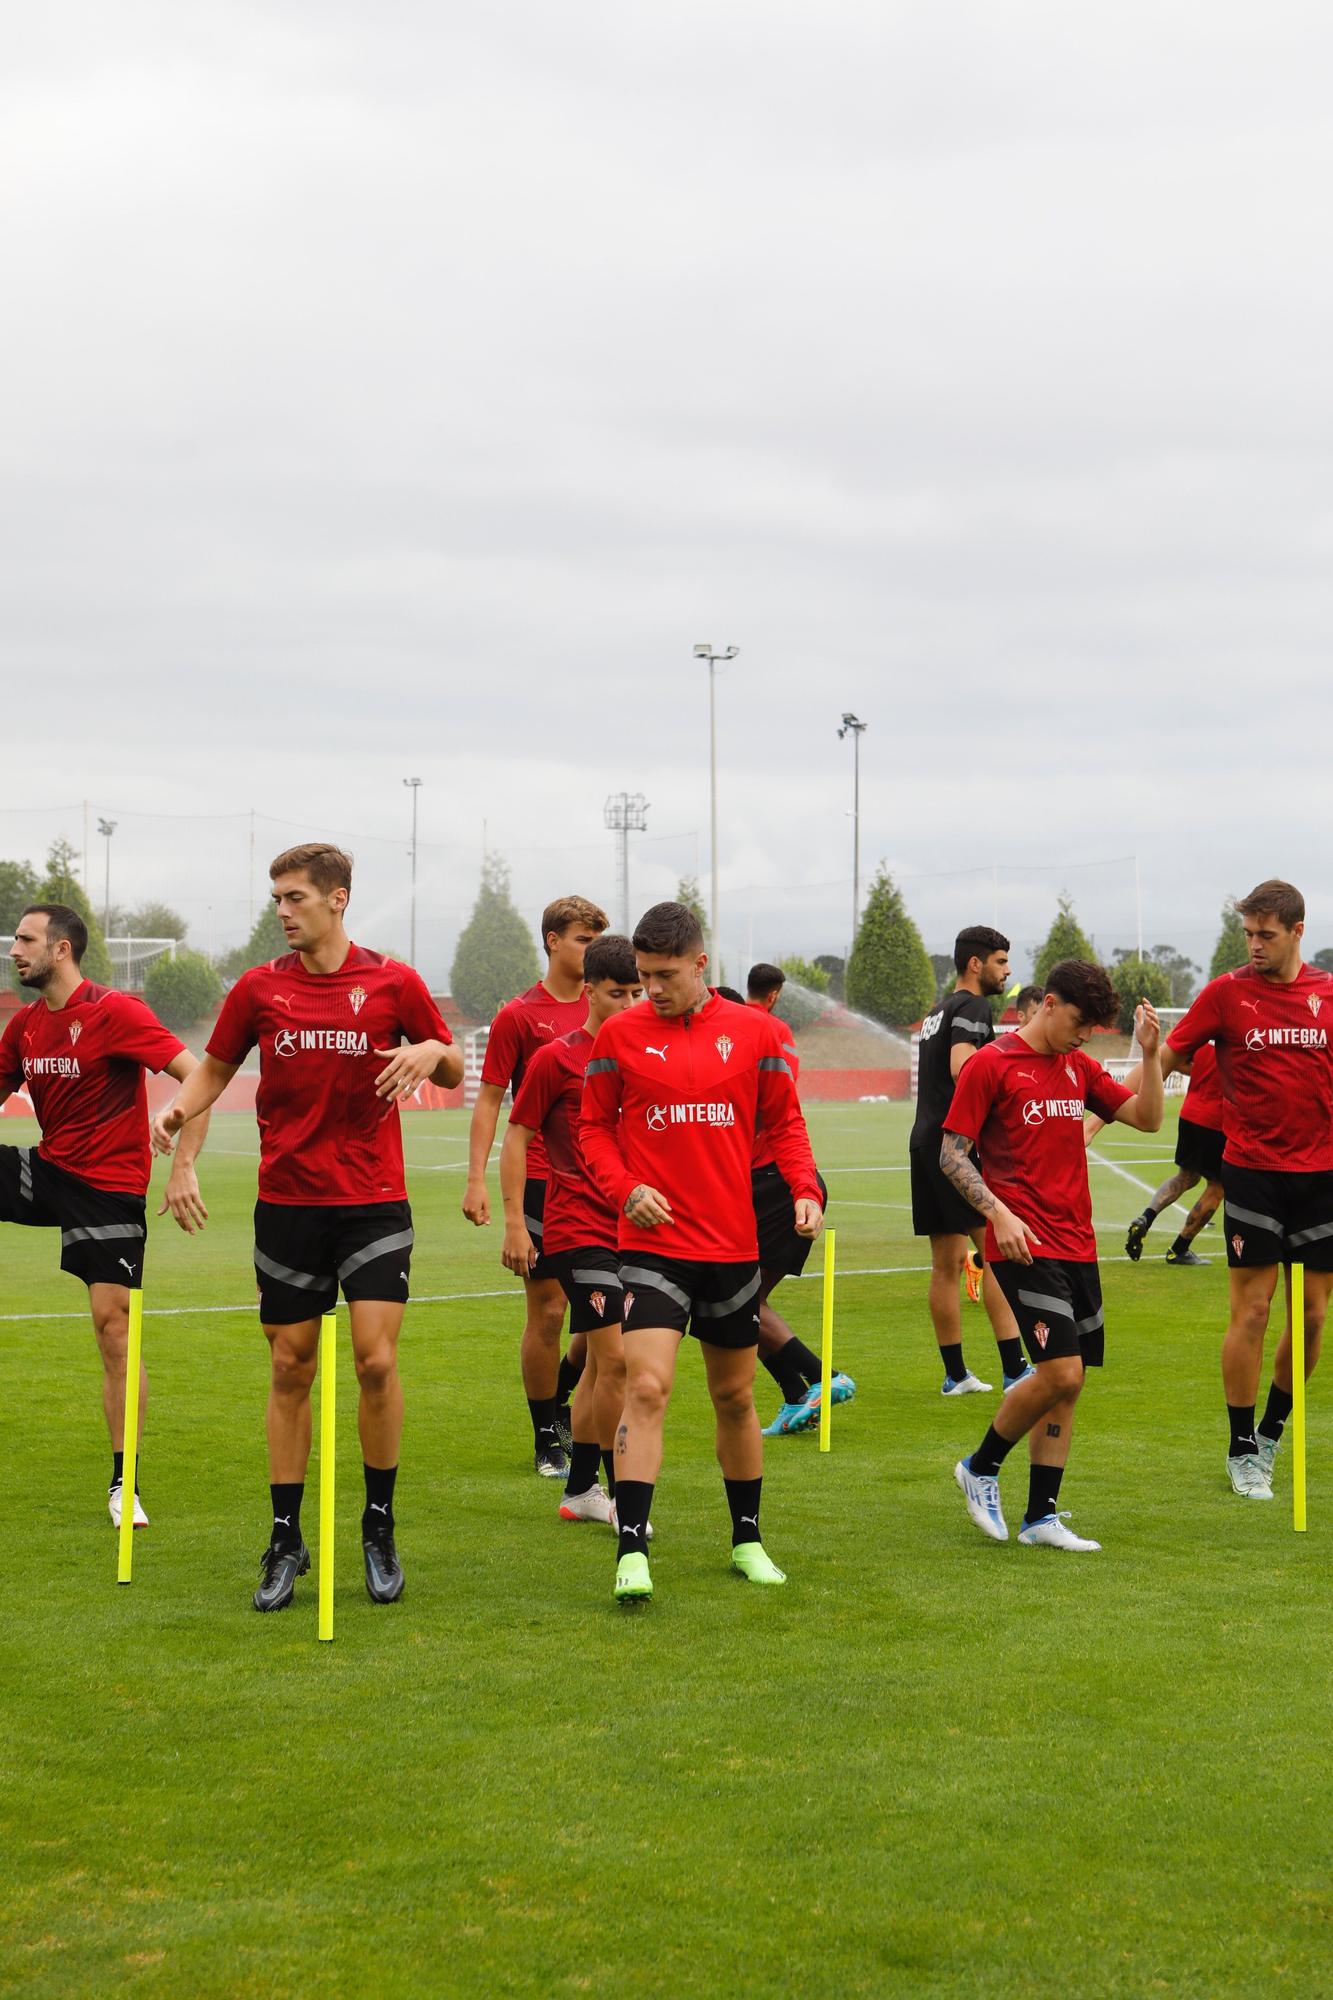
(403,391)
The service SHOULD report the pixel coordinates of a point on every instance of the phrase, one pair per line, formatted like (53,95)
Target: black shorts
(937,1207)
(717,1303)
(303,1254)
(781,1250)
(1199,1149)
(534,1216)
(102,1235)
(1276,1218)
(590,1280)
(1058,1306)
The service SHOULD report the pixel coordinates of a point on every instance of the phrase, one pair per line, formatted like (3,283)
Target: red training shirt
(549,1101)
(675,1103)
(1273,1057)
(1025,1112)
(83,1065)
(325,1138)
(1204,1100)
(521,1027)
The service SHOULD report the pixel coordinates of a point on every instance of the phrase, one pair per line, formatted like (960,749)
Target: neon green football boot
(755,1565)
(633,1578)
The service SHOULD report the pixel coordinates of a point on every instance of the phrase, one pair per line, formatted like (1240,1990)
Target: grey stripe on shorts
(723,1308)
(1269,1222)
(107,1233)
(635,1274)
(303,1281)
(1041,1302)
(379,1248)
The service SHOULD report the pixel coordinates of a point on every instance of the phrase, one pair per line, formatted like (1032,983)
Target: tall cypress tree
(61,885)
(889,974)
(1063,940)
(1231,949)
(266,941)
(496,957)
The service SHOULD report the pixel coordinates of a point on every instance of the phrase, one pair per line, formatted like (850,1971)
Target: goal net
(130,958)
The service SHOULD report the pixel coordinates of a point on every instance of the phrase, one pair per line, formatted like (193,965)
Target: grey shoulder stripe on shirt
(599,1064)
(775,1062)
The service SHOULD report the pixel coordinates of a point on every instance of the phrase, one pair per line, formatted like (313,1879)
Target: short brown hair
(1274,899)
(567,910)
(1087,987)
(327,866)
(610,957)
(669,929)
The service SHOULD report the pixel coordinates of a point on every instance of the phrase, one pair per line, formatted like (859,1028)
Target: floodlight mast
(624,813)
(107,827)
(414,786)
(853,727)
(706,652)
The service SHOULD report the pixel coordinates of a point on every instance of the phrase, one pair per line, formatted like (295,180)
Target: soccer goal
(130,957)
(1119,1066)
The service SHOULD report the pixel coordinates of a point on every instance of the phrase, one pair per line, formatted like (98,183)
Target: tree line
(888,976)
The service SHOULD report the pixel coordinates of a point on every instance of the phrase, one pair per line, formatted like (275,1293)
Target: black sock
(609,1468)
(568,1377)
(1179,1247)
(808,1363)
(583,1463)
(743,1500)
(1043,1490)
(1276,1413)
(118,1469)
(785,1369)
(543,1409)
(287,1514)
(1148,1217)
(633,1499)
(378,1513)
(1241,1418)
(1011,1356)
(952,1357)
(990,1454)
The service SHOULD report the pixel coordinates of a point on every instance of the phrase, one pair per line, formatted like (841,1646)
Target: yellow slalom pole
(1298,1398)
(328,1431)
(826,1360)
(130,1461)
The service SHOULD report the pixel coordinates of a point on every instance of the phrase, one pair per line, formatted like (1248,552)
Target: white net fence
(130,957)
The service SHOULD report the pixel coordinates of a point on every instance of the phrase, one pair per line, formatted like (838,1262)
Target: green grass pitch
(929,1766)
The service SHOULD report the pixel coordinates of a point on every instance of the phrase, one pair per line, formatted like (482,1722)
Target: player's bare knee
(1061,1379)
(293,1372)
(948,1254)
(733,1402)
(646,1393)
(375,1369)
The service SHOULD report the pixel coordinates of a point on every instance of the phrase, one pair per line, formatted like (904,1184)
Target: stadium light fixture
(414,786)
(107,827)
(852,726)
(706,652)
(624,813)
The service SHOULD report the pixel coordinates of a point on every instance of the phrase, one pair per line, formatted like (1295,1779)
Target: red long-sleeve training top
(676,1103)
